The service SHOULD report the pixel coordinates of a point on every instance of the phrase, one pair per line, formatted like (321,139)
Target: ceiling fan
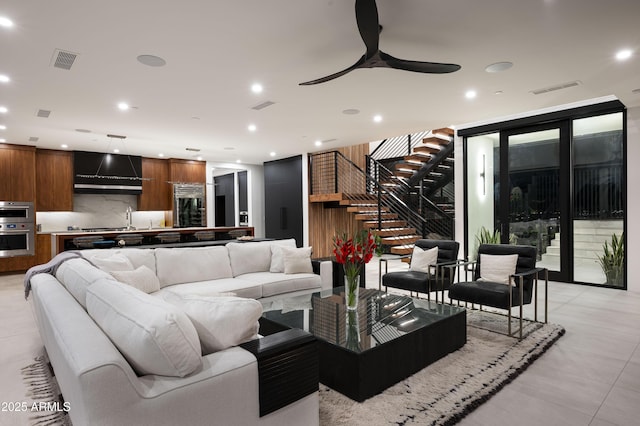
(369,27)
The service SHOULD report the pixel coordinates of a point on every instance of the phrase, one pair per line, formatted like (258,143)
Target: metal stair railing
(426,217)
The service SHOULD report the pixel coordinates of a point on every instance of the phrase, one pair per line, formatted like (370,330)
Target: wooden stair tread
(426,148)
(385,224)
(393,231)
(436,140)
(447,131)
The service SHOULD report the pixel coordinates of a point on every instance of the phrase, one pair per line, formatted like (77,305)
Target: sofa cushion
(297,260)
(221,322)
(136,256)
(277,259)
(422,259)
(186,265)
(241,287)
(249,257)
(280,283)
(78,274)
(115,262)
(497,268)
(141,278)
(154,336)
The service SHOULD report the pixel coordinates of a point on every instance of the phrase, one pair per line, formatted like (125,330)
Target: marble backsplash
(99,211)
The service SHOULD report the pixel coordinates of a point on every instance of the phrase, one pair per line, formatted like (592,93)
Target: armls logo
(51,406)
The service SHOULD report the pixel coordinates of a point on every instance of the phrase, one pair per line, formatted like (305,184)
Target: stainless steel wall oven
(17,234)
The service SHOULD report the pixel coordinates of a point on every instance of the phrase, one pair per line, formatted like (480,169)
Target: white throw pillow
(277,258)
(221,322)
(117,262)
(141,278)
(154,336)
(497,268)
(249,257)
(422,259)
(297,260)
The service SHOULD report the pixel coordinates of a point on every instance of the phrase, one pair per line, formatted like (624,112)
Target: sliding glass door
(558,186)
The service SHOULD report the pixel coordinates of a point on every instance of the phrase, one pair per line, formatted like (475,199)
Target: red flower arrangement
(353,253)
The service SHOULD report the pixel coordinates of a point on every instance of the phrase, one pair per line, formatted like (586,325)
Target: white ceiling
(215,50)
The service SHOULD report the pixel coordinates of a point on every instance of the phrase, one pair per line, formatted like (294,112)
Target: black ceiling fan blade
(368,25)
(336,75)
(418,66)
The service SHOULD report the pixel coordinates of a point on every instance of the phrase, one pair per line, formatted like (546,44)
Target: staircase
(589,237)
(391,197)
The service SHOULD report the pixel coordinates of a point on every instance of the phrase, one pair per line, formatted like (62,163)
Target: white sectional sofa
(127,355)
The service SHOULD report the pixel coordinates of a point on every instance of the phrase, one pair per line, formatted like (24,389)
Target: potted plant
(484,236)
(612,260)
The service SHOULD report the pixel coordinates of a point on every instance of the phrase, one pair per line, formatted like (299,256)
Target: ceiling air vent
(556,87)
(34,139)
(263,105)
(43,113)
(193,149)
(63,59)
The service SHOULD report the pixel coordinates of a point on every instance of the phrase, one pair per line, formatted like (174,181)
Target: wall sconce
(483,176)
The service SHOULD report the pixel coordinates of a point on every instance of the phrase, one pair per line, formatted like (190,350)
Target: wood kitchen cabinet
(17,171)
(54,180)
(156,189)
(188,171)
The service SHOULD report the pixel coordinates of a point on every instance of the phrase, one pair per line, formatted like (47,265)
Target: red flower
(354,252)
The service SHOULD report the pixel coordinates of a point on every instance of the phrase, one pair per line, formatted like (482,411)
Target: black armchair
(438,277)
(500,295)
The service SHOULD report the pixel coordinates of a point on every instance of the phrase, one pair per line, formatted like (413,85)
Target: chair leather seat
(485,293)
(407,280)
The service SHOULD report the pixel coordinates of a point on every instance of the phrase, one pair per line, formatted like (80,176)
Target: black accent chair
(422,282)
(499,295)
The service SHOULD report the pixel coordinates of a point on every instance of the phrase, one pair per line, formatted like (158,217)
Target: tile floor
(591,376)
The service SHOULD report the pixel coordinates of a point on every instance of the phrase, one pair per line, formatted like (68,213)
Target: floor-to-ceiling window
(556,183)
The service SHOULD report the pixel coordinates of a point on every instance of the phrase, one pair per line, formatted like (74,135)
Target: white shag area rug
(449,389)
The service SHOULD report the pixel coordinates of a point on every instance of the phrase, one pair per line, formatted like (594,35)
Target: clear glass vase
(351,290)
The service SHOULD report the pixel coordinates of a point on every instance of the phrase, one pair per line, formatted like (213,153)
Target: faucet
(129,217)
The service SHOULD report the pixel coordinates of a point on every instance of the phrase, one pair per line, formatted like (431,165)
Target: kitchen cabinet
(54,180)
(283,192)
(156,189)
(187,171)
(43,248)
(17,171)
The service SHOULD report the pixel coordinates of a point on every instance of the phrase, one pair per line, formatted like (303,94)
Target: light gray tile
(621,407)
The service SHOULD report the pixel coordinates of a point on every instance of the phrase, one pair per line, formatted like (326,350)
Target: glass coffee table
(387,339)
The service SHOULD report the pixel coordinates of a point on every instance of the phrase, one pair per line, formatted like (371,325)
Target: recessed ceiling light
(377,118)
(151,60)
(4,78)
(64,145)
(498,92)
(470,94)
(318,143)
(4,110)
(116,150)
(5,22)
(624,54)
(498,67)
(273,154)
(351,111)
(161,155)
(3,127)
(256,88)
(238,161)
(2,140)
(123,106)
(252,127)
(199,158)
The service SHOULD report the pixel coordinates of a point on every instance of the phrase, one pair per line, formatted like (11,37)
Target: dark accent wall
(224,201)
(283,199)
(243,204)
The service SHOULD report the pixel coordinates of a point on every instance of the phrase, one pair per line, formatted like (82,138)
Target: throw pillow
(141,278)
(497,268)
(117,262)
(421,259)
(154,336)
(221,322)
(297,260)
(277,258)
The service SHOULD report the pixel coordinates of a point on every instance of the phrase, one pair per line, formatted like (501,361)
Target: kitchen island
(145,238)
